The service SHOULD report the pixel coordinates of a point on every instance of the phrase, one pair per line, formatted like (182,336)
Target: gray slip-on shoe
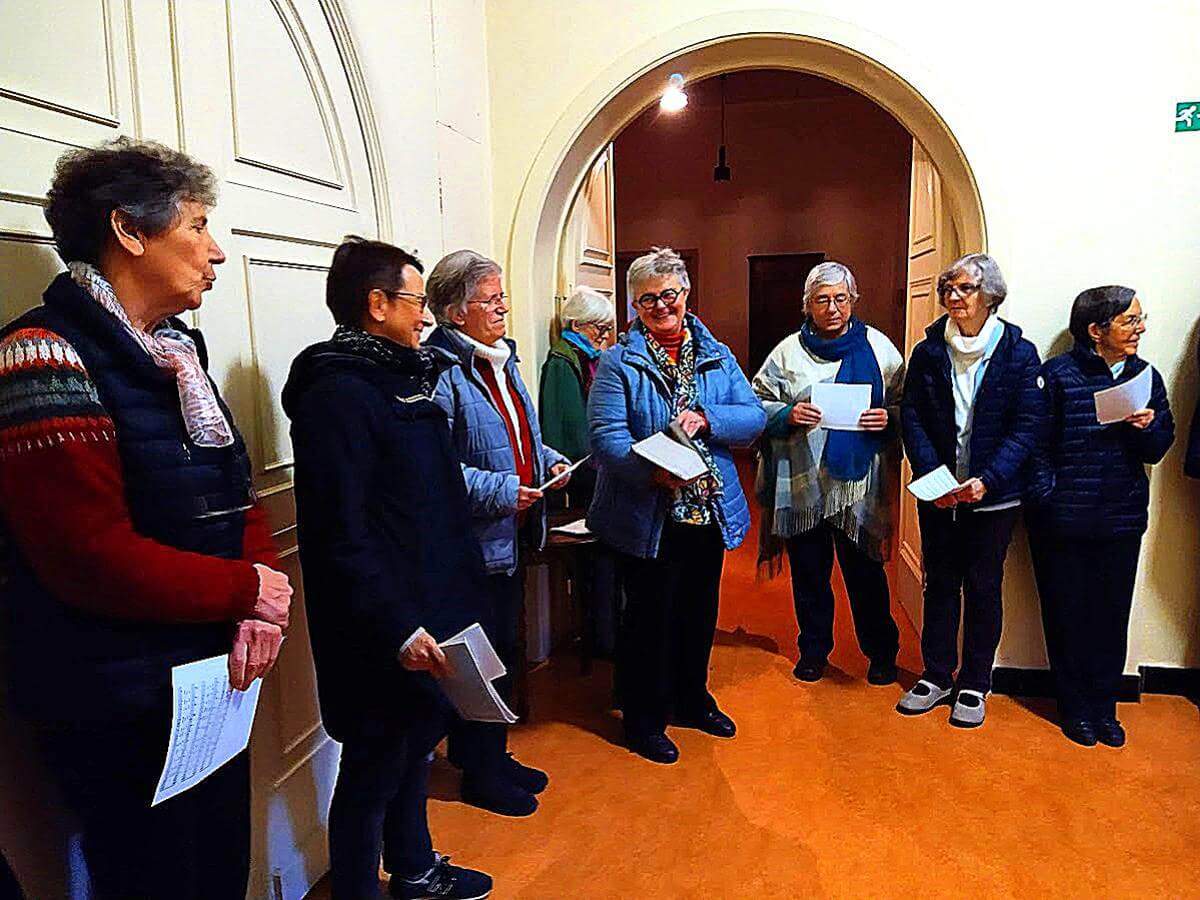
(969,709)
(921,698)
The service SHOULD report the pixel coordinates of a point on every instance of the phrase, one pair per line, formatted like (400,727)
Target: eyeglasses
(668,298)
(491,302)
(602,331)
(961,291)
(420,300)
(1130,321)
(822,302)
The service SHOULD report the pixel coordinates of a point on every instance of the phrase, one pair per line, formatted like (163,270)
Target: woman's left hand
(558,470)
(1141,419)
(692,422)
(874,419)
(972,491)
(255,649)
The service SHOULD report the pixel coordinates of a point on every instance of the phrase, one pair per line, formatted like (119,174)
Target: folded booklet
(680,459)
(474,665)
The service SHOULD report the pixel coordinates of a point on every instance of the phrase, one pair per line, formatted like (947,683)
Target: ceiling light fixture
(721,170)
(673,98)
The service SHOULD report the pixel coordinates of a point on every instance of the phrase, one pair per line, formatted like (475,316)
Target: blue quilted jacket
(629,402)
(1010,413)
(1095,475)
(482,443)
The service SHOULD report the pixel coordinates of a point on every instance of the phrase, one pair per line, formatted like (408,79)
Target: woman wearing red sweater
(132,539)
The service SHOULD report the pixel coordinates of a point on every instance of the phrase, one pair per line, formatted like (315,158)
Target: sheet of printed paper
(935,485)
(210,724)
(682,462)
(1115,404)
(841,404)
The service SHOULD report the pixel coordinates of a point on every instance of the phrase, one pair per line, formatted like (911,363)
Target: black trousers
(963,554)
(669,625)
(810,557)
(478,747)
(195,845)
(379,802)
(1086,589)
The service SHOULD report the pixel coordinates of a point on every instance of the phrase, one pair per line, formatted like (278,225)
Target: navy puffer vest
(187,497)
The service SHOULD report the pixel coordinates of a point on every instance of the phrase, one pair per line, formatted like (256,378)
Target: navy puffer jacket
(1096,473)
(1010,413)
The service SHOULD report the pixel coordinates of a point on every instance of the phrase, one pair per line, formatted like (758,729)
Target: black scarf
(420,364)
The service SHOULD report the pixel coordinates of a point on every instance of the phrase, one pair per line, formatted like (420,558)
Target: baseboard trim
(1178,682)
(1018,682)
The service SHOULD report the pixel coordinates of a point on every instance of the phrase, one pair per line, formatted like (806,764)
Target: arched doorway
(950,220)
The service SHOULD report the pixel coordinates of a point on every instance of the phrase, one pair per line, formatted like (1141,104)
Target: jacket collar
(449,340)
(708,349)
(564,349)
(1092,363)
(936,343)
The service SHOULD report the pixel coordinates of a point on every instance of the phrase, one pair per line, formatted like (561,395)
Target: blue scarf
(577,340)
(848,454)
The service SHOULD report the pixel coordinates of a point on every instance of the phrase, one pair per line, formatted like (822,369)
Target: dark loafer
(656,747)
(809,670)
(527,777)
(1110,733)
(1081,732)
(882,673)
(713,722)
(498,795)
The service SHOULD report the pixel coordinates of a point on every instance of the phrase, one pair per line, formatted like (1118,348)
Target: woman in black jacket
(390,566)
(1085,535)
(971,404)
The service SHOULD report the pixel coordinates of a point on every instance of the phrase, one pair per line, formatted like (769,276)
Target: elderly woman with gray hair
(825,490)
(567,376)
(132,540)
(973,403)
(496,433)
(671,535)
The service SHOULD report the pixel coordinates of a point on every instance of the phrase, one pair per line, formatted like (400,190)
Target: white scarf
(968,355)
(171,350)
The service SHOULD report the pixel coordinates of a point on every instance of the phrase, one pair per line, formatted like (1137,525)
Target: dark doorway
(691,259)
(776,289)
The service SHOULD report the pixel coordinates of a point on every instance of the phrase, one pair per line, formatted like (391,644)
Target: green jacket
(562,405)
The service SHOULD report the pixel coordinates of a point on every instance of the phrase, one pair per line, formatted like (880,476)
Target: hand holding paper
(934,486)
(841,405)
(1119,403)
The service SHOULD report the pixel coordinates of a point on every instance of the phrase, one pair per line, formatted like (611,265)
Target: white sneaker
(921,698)
(969,709)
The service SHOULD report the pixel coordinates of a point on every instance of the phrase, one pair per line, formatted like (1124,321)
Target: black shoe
(1080,731)
(713,722)
(656,747)
(442,882)
(1110,733)
(527,777)
(497,794)
(809,670)
(881,673)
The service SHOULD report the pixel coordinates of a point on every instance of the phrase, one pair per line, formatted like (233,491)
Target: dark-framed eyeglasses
(602,330)
(420,300)
(822,301)
(961,291)
(667,297)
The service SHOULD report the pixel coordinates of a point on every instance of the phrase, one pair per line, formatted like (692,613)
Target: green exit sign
(1187,116)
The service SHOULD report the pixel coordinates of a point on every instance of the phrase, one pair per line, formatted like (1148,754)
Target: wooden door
(588,255)
(258,90)
(932,244)
(776,300)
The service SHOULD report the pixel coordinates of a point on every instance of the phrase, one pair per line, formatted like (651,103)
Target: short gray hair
(454,281)
(984,271)
(658,262)
(827,273)
(144,181)
(587,307)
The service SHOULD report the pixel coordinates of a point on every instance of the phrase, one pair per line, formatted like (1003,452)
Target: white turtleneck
(497,355)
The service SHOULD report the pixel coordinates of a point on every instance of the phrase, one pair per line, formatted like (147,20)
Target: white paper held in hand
(682,462)
(474,665)
(1115,404)
(934,486)
(210,724)
(563,474)
(841,404)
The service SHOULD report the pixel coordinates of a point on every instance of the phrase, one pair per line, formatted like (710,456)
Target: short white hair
(827,273)
(658,262)
(587,307)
